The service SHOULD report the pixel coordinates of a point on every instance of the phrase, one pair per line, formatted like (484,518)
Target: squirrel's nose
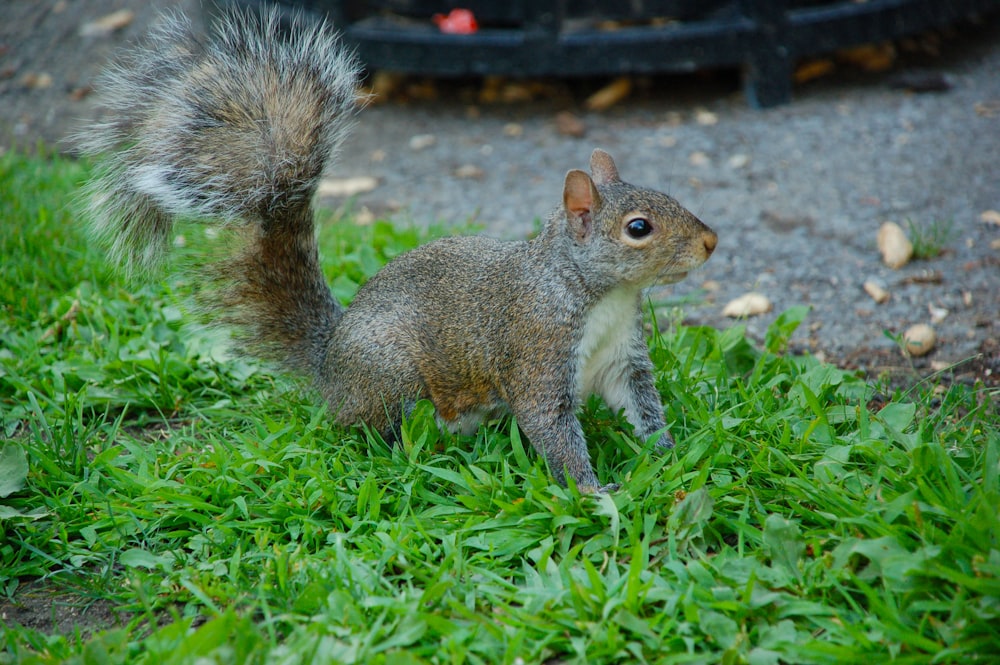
(710,239)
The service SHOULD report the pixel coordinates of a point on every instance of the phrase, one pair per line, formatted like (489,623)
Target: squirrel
(237,128)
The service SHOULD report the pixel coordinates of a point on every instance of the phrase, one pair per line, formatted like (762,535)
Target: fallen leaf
(870,57)
(610,94)
(516,91)
(749,304)
(813,69)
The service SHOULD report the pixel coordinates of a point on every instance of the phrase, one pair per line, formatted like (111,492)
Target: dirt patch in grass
(899,372)
(52,610)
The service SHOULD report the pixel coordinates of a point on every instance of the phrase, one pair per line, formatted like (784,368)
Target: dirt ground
(796,193)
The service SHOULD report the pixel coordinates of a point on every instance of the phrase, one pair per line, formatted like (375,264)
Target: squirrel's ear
(580,197)
(603,168)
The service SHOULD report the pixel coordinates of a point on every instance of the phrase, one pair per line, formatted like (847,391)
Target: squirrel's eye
(638,228)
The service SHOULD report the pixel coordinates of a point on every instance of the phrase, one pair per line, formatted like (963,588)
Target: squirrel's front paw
(599,489)
(664,443)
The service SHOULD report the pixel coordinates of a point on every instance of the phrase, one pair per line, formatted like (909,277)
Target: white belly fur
(602,355)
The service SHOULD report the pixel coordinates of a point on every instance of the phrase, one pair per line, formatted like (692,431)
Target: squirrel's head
(632,235)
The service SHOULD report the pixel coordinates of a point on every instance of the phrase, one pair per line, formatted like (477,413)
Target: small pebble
(919,339)
(347,186)
(568,124)
(895,247)
(875,290)
(513,129)
(749,304)
(739,160)
(37,81)
(938,314)
(698,158)
(469,171)
(422,141)
(705,117)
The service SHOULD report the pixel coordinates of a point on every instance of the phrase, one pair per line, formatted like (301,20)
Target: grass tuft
(930,240)
(195,509)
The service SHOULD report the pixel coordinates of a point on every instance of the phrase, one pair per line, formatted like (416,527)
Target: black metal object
(567,37)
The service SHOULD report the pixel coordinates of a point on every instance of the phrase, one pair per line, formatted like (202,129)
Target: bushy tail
(235,129)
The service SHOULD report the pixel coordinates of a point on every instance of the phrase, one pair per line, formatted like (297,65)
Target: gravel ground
(796,194)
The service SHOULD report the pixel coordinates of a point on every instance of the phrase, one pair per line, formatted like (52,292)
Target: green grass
(931,239)
(228,521)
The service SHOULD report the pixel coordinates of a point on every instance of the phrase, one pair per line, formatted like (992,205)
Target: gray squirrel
(236,130)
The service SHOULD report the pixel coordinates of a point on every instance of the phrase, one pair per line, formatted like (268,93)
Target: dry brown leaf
(610,94)
(870,57)
(813,69)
